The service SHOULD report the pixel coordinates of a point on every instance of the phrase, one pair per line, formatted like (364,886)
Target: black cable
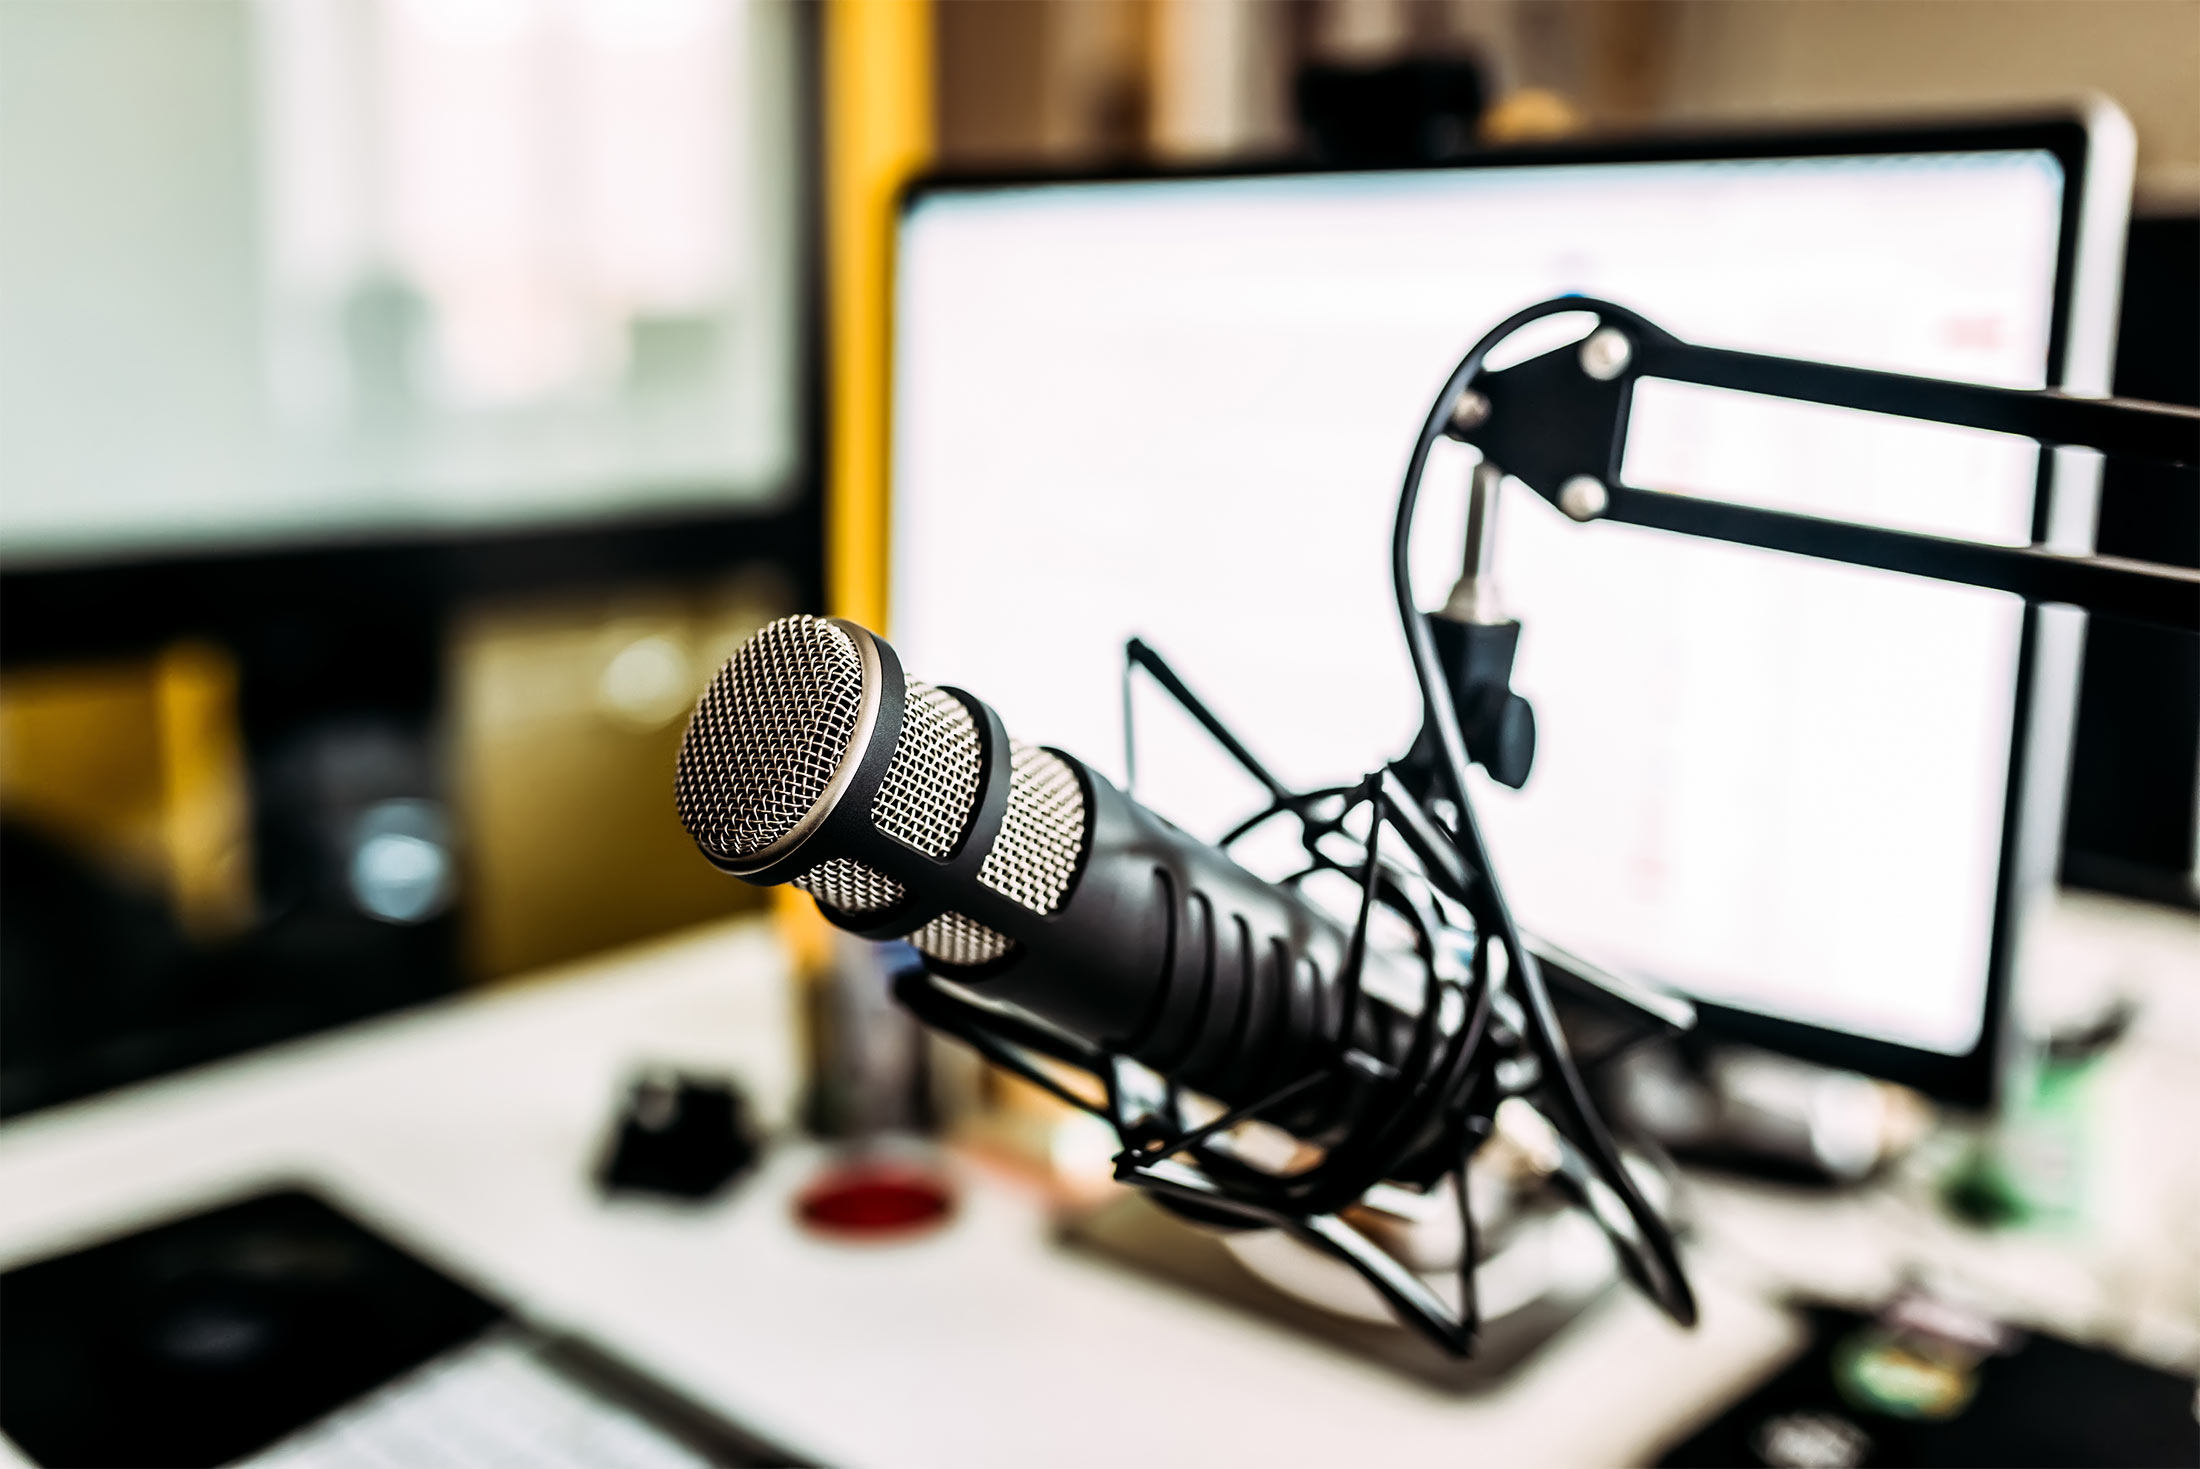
(1678,1299)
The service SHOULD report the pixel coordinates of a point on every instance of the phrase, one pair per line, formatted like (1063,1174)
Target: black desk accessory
(1884,1392)
(208,1338)
(681,1136)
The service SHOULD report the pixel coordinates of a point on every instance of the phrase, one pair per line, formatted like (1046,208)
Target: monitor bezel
(2043,694)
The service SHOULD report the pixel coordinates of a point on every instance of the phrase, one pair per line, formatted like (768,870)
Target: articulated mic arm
(1558,423)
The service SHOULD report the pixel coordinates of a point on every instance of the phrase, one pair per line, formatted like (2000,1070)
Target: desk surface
(468,1130)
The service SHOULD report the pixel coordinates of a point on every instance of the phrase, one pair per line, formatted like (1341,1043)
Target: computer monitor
(282,275)
(1811,796)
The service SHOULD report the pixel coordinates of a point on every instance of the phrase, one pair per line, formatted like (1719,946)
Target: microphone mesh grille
(768,734)
(1042,833)
(954,939)
(1031,862)
(925,800)
(850,886)
(932,783)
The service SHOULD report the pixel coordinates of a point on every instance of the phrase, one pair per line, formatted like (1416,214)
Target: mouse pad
(280,1324)
(207,1338)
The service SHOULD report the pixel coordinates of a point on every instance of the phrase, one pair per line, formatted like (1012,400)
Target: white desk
(468,1131)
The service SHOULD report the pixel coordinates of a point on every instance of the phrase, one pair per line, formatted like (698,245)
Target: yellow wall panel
(878,133)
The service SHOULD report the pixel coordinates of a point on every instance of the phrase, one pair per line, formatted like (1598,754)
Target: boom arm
(1558,423)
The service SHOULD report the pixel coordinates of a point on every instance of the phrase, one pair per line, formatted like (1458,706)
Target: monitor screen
(1181,409)
(295,273)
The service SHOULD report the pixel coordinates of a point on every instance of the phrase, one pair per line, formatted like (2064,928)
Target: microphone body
(1171,953)
(1020,873)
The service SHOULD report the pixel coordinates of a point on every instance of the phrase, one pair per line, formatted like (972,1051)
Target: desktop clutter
(291,1322)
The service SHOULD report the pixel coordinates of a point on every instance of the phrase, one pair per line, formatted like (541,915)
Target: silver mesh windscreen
(925,800)
(850,886)
(768,735)
(932,783)
(954,939)
(1042,834)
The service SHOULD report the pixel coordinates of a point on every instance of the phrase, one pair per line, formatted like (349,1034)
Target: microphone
(1123,947)
(1019,872)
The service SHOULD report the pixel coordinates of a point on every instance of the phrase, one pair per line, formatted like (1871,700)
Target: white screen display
(1181,409)
(275,273)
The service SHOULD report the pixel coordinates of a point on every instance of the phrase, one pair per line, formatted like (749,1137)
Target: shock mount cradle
(1485,1034)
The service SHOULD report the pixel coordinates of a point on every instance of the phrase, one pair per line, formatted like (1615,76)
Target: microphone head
(778,736)
(771,734)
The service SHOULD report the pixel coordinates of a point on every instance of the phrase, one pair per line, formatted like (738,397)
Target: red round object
(874,1199)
